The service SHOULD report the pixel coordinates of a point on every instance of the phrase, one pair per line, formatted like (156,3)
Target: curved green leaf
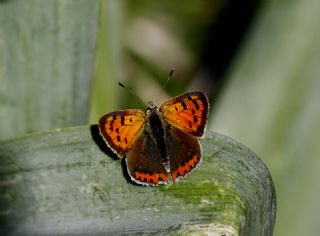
(47,52)
(62,182)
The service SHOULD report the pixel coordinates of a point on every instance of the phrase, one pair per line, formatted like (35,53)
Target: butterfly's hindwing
(184,152)
(144,162)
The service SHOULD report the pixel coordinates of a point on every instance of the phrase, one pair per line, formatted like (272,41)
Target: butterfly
(162,145)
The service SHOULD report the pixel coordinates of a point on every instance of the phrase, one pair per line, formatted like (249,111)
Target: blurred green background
(258,61)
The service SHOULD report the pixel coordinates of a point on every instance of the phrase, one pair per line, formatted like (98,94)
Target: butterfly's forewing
(187,157)
(144,162)
(121,129)
(187,112)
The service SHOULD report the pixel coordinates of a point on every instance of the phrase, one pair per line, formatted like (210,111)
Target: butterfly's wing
(121,129)
(187,157)
(144,162)
(123,132)
(187,112)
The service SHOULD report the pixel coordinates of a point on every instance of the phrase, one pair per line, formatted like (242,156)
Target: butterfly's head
(152,109)
(151,106)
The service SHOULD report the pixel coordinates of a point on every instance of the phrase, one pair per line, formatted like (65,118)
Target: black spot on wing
(122,120)
(196,104)
(183,105)
(195,119)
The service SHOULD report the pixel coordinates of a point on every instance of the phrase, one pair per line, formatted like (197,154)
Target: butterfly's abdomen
(158,134)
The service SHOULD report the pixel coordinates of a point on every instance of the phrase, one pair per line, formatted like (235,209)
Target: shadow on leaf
(99,141)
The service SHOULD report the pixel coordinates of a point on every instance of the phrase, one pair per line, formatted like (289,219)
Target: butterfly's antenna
(132,93)
(165,84)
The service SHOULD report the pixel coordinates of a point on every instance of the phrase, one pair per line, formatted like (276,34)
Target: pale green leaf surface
(47,52)
(63,182)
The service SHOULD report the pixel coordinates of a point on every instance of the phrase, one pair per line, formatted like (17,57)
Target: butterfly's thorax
(157,132)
